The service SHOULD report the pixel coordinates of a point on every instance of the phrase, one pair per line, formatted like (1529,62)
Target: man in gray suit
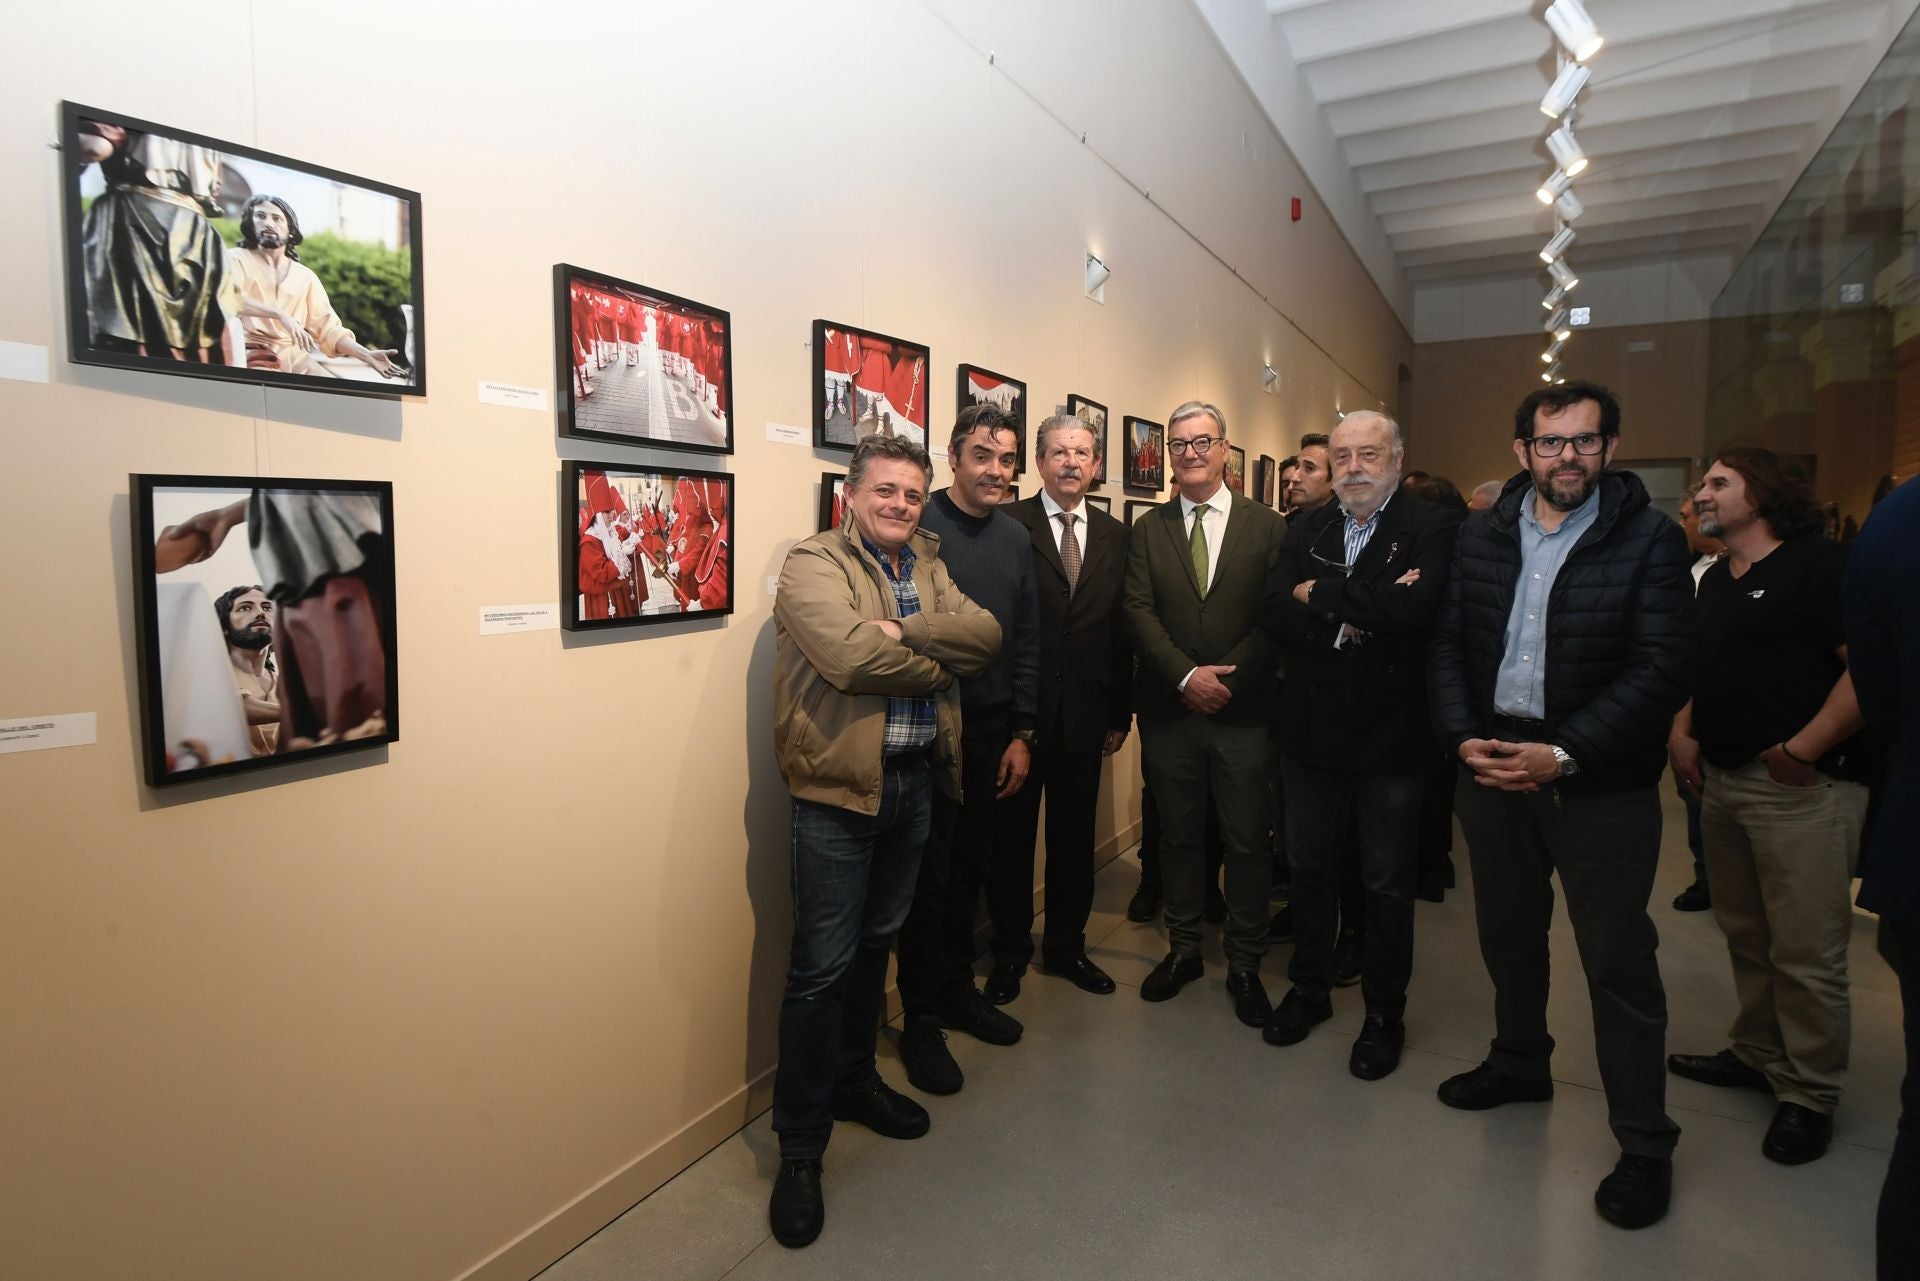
(1196,569)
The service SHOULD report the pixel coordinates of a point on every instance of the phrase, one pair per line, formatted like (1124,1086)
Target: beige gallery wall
(1465,393)
(439,1010)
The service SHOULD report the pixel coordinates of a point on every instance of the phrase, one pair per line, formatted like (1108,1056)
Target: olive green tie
(1197,544)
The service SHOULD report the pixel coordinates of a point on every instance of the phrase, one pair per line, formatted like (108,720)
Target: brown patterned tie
(1070,551)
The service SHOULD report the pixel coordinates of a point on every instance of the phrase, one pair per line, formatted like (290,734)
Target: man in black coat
(1883,653)
(1356,591)
(1086,709)
(1559,660)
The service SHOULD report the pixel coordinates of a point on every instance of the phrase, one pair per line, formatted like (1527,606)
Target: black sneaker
(973,1014)
(797,1211)
(1637,1193)
(883,1110)
(930,1066)
(1144,905)
(1694,898)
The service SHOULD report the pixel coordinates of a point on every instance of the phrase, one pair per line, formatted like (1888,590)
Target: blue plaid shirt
(910,721)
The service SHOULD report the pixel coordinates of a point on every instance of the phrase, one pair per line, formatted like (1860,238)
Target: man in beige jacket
(872,634)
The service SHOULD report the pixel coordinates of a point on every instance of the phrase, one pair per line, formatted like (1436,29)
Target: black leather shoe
(1694,898)
(1798,1135)
(1170,976)
(883,1110)
(1250,1003)
(1724,1068)
(1377,1051)
(930,1066)
(1144,905)
(1349,958)
(1003,985)
(1280,928)
(1636,1194)
(971,1013)
(1295,1018)
(1431,892)
(1216,908)
(797,1211)
(1488,1087)
(1083,974)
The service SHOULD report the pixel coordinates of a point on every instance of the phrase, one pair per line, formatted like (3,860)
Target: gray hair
(1065,422)
(897,448)
(1193,407)
(1361,415)
(1489,489)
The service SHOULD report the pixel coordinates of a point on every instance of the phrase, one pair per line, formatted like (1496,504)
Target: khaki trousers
(1780,860)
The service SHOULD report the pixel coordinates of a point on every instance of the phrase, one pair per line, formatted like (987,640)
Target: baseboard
(540,1245)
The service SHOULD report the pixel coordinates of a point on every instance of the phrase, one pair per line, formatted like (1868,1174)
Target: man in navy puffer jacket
(1556,667)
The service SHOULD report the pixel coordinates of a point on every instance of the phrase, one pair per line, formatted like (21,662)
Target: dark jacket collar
(1621,495)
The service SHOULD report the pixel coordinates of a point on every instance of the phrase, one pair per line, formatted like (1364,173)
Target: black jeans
(1383,810)
(1606,847)
(1070,782)
(1898,1233)
(853,877)
(937,941)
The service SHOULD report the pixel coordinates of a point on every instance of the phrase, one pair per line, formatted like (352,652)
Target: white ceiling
(1698,119)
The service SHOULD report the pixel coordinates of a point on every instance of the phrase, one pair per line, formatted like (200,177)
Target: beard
(249,637)
(1560,501)
(268,239)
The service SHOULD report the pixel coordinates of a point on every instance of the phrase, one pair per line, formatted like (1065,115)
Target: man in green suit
(1196,569)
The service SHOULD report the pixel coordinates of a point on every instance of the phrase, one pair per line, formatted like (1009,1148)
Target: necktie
(1070,551)
(1197,544)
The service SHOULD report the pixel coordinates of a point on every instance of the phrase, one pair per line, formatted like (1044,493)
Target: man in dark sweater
(989,556)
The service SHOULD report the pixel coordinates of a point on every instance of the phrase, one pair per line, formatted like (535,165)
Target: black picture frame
(702,384)
(182,643)
(966,393)
(1010,495)
(657,548)
(855,374)
(1234,475)
(1095,416)
(1146,461)
(833,485)
(1266,478)
(1138,507)
(1101,501)
(399,326)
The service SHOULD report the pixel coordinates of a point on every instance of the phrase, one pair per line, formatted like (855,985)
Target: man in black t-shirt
(1774,723)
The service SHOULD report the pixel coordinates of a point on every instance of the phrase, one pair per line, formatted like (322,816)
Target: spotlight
(1553,374)
(1570,22)
(1550,190)
(1566,152)
(1554,295)
(1270,380)
(1569,206)
(1552,353)
(1551,251)
(1563,274)
(1566,87)
(1558,320)
(1097,274)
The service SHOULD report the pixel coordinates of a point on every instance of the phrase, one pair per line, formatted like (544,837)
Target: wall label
(513,397)
(23,362)
(783,434)
(37,733)
(498,620)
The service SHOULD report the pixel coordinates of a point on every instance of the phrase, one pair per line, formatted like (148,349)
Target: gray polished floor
(1121,1139)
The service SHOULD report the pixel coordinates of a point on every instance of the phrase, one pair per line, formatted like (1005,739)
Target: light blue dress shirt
(1520,686)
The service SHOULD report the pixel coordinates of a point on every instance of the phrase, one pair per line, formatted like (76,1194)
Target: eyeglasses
(1341,567)
(1587,442)
(1200,444)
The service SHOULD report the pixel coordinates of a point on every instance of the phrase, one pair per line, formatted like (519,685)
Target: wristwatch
(1568,766)
(1026,736)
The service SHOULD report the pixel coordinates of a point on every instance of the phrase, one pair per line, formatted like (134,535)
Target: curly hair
(1778,489)
(294,234)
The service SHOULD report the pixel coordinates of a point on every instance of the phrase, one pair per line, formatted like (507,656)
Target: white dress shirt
(1058,526)
(1216,519)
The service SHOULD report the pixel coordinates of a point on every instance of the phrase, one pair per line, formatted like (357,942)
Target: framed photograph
(1266,478)
(1103,503)
(1010,495)
(189,255)
(1136,508)
(639,366)
(1095,415)
(1146,466)
(264,611)
(1236,469)
(644,545)
(984,387)
(833,500)
(864,383)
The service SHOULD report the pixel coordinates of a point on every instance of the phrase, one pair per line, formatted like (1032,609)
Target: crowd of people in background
(1320,690)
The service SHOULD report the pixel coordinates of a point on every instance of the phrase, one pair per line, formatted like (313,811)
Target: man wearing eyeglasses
(1197,568)
(1355,593)
(1559,660)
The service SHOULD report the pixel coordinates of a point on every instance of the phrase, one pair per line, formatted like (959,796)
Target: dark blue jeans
(853,877)
(1899,1229)
(1695,844)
